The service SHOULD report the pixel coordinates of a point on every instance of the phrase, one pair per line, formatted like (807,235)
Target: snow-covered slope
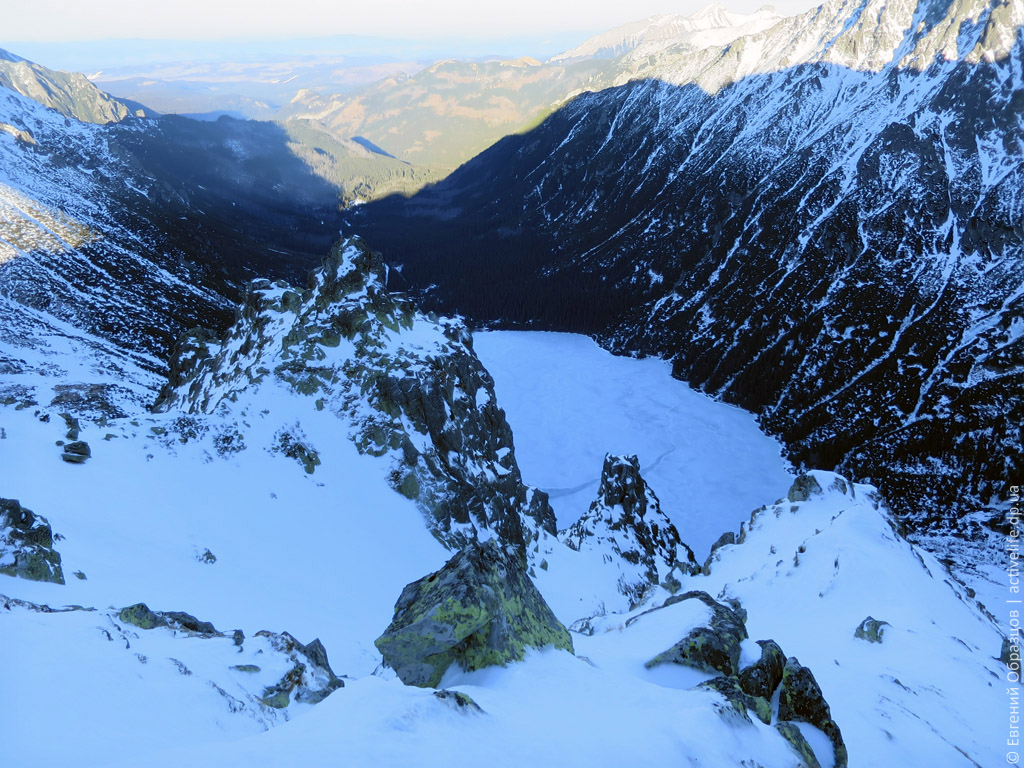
(213,514)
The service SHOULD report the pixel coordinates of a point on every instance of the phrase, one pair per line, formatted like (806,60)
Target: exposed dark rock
(713,648)
(142,617)
(95,401)
(26,544)
(741,701)
(479,610)
(626,517)
(725,539)
(76,453)
(310,679)
(803,488)
(763,676)
(294,444)
(460,702)
(73,426)
(871,630)
(1009,651)
(801,699)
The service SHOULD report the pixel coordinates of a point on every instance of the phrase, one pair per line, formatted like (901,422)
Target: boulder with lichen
(479,610)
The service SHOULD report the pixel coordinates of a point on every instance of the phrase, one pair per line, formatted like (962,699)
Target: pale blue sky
(60,20)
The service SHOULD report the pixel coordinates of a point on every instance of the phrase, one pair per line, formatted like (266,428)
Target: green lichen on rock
(871,630)
(713,648)
(796,740)
(803,488)
(140,615)
(801,699)
(459,701)
(26,545)
(479,610)
(740,700)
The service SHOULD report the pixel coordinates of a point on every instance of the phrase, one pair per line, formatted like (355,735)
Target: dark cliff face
(838,250)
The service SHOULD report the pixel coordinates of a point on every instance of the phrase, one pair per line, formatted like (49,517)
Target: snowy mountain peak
(409,388)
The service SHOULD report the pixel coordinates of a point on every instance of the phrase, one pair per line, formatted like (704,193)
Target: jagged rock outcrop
(801,700)
(410,388)
(871,630)
(26,544)
(309,678)
(714,647)
(763,676)
(479,610)
(626,519)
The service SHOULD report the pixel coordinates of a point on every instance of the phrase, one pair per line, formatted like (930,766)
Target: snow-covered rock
(626,523)
(26,544)
(406,386)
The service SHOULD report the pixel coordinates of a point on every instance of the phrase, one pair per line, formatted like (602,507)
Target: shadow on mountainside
(836,250)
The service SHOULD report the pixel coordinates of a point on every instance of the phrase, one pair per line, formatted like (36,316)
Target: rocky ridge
(70,93)
(409,387)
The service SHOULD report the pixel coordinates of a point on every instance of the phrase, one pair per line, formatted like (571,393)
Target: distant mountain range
(820,222)
(70,93)
(713,26)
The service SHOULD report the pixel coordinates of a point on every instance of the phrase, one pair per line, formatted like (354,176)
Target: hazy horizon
(54,21)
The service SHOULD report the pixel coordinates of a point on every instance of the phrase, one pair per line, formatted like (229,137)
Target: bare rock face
(479,610)
(626,518)
(26,544)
